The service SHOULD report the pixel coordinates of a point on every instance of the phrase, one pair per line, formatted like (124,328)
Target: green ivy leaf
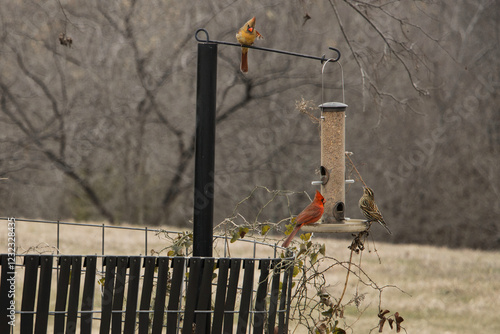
(328,313)
(235,237)
(314,258)
(339,331)
(265,229)
(322,250)
(296,271)
(302,249)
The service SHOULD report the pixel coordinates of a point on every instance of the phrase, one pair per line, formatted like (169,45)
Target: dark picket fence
(146,294)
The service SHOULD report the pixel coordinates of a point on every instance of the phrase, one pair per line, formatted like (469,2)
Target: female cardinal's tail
(244,60)
(290,237)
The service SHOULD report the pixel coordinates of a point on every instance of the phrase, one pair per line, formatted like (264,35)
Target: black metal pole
(205,150)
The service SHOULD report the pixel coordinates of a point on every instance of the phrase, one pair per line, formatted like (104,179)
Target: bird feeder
(332,168)
(332,173)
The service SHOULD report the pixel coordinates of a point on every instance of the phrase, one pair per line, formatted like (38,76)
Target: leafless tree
(103,127)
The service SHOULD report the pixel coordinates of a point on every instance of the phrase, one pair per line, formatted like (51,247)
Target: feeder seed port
(338,211)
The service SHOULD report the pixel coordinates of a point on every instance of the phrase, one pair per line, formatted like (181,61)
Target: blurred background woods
(103,127)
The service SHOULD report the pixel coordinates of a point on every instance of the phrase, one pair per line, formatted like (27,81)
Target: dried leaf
(399,320)
(243,231)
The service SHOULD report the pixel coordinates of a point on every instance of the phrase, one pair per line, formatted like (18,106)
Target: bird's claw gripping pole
(322,59)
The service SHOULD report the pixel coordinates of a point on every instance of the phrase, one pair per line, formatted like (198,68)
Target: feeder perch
(332,173)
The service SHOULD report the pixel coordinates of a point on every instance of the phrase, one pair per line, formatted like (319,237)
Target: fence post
(205,150)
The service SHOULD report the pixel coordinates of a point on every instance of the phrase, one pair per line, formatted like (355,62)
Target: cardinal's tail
(286,243)
(244,60)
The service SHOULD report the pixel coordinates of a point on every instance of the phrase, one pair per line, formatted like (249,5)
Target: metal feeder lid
(333,106)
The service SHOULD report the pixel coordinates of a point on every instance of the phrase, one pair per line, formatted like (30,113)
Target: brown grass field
(436,290)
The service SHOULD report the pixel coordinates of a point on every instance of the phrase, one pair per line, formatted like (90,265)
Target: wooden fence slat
(88,294)
(74,294)
(273,303)
(161,291)
(220,295)
(232,289)
(29,289)
(246,295)
(42,307)
(132,294)
(62,293)
(116,313)
(260,301)
(288,293)
(175,293)
(191,294)
(202,320)
(147,288)
(5,299)
(107,295)
(287,281)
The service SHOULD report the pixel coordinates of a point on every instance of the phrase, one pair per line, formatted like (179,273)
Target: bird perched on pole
(311,214)
(370,209)
(246,36)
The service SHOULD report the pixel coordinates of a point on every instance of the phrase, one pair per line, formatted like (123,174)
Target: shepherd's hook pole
(206,87)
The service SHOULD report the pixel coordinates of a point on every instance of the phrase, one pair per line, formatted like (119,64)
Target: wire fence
(155,237)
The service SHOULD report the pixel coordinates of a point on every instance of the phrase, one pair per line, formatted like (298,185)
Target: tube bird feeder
(332,172)
(333,160)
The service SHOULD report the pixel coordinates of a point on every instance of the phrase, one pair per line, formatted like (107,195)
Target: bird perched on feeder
(311,214)
(246,36)
(370,209)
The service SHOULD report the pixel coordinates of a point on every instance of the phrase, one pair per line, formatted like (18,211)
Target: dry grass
(445,291)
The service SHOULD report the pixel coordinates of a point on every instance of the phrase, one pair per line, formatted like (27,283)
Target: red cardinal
(246,36)
(311,214)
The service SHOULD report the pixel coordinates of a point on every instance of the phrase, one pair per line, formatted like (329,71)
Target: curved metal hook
(206,34)
(323,59)
(337,51)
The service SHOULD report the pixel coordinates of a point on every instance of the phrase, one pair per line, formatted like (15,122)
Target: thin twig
(345,284)
(359,175)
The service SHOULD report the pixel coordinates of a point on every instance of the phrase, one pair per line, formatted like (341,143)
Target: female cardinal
(246,36)
(311,214)
(370,209)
